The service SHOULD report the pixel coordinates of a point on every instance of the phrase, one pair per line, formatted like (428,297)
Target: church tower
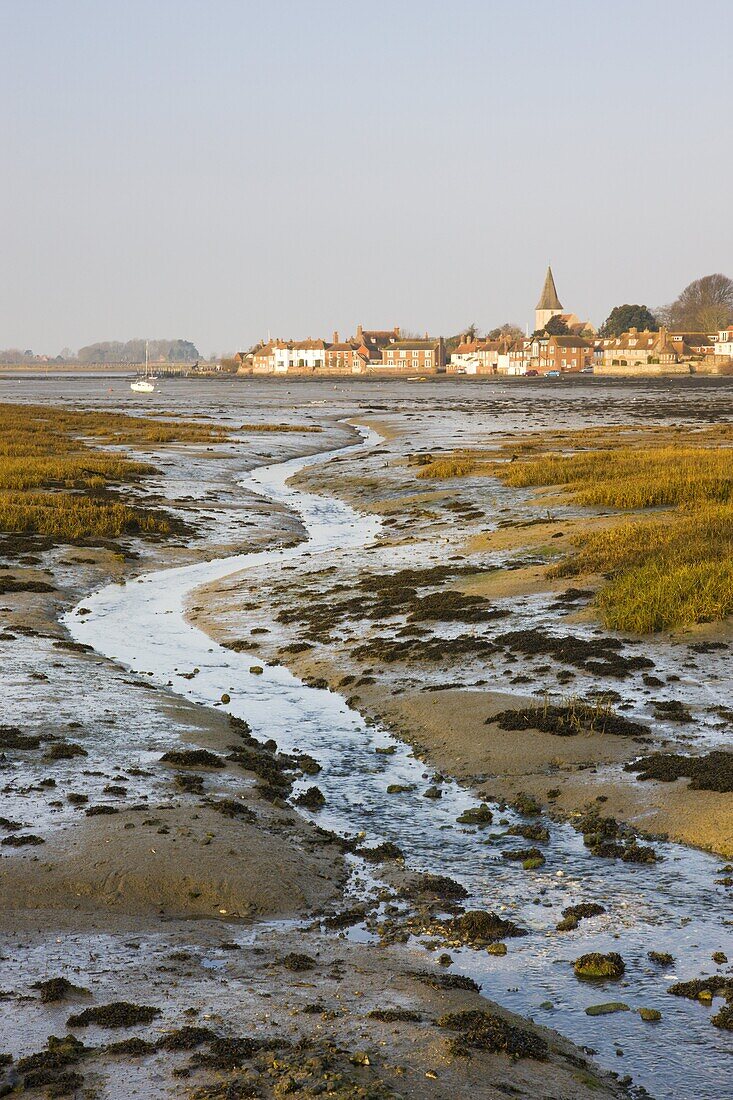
(549,304)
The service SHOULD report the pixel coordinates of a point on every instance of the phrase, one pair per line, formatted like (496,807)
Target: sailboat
(146,384)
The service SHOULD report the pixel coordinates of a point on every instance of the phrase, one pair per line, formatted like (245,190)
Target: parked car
(552,374)
(586,370)
(531,374)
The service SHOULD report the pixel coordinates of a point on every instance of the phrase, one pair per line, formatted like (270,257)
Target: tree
(706,305)
(506,332)
(556,326)
(622,318)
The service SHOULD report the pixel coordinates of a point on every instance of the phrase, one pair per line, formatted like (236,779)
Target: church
(550,306)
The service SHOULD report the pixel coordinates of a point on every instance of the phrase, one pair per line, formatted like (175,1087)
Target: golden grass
(68,471)
(51,449)
(632,477)
(656,596)
(664,571)
(443,468)
(42,429)
(72,517)
(279,428)
(58,450)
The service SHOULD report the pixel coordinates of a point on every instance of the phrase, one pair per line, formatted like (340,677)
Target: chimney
(359,332)
(335,337)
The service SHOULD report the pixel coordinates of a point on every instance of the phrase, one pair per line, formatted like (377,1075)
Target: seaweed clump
(56,989)
(441,886)
(606,837)
(568,719)
(480,1030)
(712,772)
(599,655)
(49,1068)
(479,927)
(446,981)
(574,914)
(192,758)
(395,1015)
(595,966)
(116,1014)
(297,962)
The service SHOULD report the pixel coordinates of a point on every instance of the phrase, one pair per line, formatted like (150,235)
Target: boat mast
(146,359)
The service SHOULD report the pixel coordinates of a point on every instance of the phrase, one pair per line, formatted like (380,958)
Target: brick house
(349,356)
(263,358)
(416,356)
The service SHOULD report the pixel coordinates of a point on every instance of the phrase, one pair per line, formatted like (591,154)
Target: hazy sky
(214,169)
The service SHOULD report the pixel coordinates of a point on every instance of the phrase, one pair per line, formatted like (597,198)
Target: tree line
(112,351)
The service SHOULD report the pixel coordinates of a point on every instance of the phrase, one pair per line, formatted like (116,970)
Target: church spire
(549,304)
(548,297)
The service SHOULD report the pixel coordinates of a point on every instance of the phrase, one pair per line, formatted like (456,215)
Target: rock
(661,958)
(256,670)
(719,957)
(478,926)
(433,792)
(381,852)
(596,966)
(497,949)
(606,1008)
(312,799)
(476,815)
(226,699)
(651,1015)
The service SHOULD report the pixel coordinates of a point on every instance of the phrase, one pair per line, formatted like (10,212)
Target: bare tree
(706,305)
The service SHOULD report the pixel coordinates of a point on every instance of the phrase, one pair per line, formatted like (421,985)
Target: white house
(724,343)
(302,355)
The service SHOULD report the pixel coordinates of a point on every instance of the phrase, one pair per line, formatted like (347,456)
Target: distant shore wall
(656,370)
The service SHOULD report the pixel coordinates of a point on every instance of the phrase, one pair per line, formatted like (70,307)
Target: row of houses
(560,344)
(369,350)
(632,352)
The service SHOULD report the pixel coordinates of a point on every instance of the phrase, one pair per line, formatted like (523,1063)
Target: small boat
(146,383)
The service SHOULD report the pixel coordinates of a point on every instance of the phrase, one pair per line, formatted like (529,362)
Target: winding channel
(672,906)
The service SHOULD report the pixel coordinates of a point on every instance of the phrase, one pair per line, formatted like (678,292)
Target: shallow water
(674,905)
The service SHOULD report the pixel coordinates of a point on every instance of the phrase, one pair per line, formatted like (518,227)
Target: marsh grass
(631,477)
(458,465)
(667,571)
(41,429)
(72,517)
(664,570)
(55,482)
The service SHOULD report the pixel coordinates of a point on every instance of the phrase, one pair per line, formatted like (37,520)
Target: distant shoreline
(182,371)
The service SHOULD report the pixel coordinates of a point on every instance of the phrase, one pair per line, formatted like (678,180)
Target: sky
(217,170)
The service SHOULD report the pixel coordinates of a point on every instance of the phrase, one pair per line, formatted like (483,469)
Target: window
(403,355)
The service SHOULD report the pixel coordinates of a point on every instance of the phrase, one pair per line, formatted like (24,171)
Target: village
(560,344)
